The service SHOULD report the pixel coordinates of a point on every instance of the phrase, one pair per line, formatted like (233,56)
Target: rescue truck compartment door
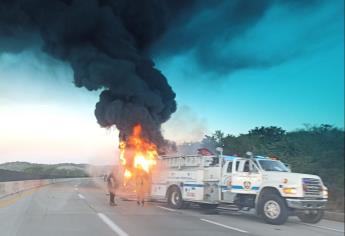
(226,194)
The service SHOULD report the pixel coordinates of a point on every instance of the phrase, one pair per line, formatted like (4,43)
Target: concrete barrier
(336,216)
(12,187)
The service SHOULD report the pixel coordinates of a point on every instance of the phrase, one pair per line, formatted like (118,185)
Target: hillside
(8,175)
(26,169)
(15,166)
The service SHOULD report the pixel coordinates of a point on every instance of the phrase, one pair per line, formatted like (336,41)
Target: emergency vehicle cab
(259,183)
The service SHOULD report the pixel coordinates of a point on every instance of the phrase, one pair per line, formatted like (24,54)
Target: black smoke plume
(105,43)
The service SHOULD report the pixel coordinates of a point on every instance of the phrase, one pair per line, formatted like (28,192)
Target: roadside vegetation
(313,149)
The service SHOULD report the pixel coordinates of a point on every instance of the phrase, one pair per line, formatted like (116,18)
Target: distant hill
(26,170)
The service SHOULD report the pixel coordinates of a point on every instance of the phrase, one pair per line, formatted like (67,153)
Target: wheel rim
(272,209)
(175,198)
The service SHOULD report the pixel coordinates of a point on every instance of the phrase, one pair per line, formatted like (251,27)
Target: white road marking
(165,208)
(225,226)
(323,227)
(112,225)
(81,196)
(76,189)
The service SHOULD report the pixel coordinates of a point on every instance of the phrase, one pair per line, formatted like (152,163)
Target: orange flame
(137,153)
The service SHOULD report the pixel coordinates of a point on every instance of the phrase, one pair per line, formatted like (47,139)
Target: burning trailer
(136,154)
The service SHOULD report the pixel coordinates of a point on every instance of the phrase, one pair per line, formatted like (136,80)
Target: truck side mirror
(288,166)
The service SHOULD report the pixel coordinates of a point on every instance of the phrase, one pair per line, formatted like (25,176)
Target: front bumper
(306,204)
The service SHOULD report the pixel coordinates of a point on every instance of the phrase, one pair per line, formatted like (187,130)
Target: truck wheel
(273,209)
(208,206)
(310,216)
(175,198)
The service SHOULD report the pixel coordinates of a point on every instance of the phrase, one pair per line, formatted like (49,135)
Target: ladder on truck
(188,161)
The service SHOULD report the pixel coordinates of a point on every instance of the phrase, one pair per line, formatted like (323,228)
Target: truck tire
(207,206)
(310,216)
(175,198)
(273,209)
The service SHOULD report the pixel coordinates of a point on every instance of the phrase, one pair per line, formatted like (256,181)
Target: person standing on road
(141,186)
(112,186)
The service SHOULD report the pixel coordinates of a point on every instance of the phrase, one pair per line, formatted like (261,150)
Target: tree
(214,141)
(268,134)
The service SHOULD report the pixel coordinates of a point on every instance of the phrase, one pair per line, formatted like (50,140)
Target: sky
(285,69)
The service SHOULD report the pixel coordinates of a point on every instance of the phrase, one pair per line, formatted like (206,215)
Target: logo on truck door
(247,184)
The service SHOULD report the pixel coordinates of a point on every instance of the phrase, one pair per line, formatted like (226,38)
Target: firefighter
(141,186)
(112,186)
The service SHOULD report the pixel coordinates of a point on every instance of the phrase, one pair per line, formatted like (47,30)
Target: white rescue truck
(259,183)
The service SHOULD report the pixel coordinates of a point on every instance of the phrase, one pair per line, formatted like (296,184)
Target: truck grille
(312,187)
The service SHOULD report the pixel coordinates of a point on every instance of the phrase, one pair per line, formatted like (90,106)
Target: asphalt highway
(80,207)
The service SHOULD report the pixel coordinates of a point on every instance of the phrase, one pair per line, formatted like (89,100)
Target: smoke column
(104,41)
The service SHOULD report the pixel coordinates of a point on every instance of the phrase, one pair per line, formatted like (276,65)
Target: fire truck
(246,183)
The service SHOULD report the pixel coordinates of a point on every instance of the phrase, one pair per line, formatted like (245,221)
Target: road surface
(80,207)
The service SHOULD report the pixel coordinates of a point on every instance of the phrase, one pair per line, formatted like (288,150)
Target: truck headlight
(289,190)
(325,192)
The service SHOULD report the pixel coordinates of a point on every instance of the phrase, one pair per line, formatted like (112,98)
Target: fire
(137,153)
(142,162)
(127,174)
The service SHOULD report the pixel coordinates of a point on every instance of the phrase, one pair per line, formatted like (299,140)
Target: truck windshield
(271,165)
